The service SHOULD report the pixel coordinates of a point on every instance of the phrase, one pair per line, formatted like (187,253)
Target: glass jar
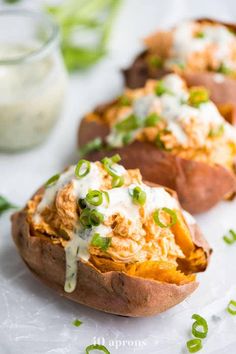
(32,78)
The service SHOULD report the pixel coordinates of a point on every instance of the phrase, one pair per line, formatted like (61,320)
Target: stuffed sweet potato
(102,237)
(175,135)
(203,51)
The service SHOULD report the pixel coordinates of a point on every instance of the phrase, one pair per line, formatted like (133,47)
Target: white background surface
(33,319)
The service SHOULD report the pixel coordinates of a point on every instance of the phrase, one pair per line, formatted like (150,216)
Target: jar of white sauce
(32,78)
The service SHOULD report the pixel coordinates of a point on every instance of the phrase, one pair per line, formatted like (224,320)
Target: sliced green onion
(200,322)
(107,197)
(108,162)
(82,168)
(194,345)
(101,242)
(138,196)
(159,143)
(97,347)
(52,180)
(172,214)
(231,308)
(5,205)
(232,239)
(127,138)
(128,124)
(160,88)
(77,323)
(94,197)
(95,217)
(200,34)
(217,132)
(93,145)
(82,203)
(85,218)
(124,101)
(156,62)
(197,96)
(117,181)
(152,120)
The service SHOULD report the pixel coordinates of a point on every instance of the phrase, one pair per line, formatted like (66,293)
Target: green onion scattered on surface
(231,308)
(96,218)
(124,101)
(117,181)
(155,62)
(160,88)
(230,239)
(223,69)
(77,323)
(217,132)
(200,323)
(5,205)
(172,214)
(52,180)
(97,347)
(82,168)
(194,345)
(101,242)
(85,218)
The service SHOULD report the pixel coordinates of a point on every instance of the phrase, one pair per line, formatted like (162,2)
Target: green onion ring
(229,307)
(85,218)
(82,204)
(52,180)
(106,197)
(200,322)
(94,197)
(172,213)
(97,347)
(79,168)
(194,345)
(138,196)
(117,181)
(108,162)
(95,217)
(232,239)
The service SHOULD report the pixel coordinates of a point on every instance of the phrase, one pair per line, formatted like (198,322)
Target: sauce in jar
(32,81)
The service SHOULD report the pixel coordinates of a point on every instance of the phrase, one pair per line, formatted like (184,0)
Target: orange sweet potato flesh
(199,186)
(136,290)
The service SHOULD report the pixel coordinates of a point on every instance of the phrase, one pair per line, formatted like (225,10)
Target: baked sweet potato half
(175,135)
(100,236)
(203,51)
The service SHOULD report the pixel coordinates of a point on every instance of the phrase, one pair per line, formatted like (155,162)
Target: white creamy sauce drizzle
(184,43)
(120,203)
(175,111)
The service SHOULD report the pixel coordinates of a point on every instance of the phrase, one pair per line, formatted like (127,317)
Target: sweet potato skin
(112,292)
(222,91)
(199,186)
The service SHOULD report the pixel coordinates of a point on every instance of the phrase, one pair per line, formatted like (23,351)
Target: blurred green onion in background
(85,29)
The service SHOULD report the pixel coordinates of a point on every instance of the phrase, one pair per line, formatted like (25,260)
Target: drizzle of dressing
(175,110)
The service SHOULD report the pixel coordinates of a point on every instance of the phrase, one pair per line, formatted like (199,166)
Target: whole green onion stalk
(80,20)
